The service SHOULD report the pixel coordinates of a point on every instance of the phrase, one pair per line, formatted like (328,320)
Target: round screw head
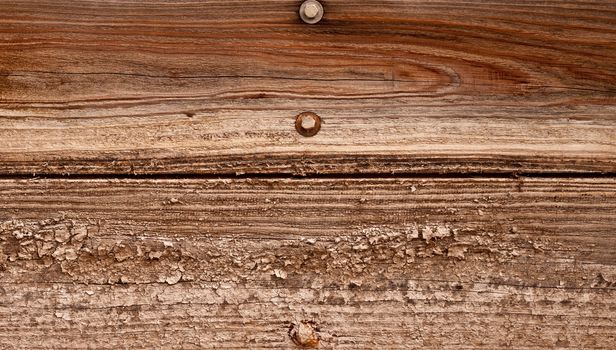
(311,11)
(308,124)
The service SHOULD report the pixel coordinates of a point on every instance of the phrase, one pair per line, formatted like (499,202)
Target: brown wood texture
(107,87)
(375,263)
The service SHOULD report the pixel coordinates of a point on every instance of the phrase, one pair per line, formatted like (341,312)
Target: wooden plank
(106,87)
(393,263)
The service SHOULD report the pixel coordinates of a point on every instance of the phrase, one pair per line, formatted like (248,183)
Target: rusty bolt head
(311,11)
(304,334)
(308,124)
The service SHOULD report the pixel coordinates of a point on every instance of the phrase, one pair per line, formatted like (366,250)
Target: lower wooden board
(430,263)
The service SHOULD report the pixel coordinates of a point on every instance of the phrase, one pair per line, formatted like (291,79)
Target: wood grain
(213,87)
(424,263)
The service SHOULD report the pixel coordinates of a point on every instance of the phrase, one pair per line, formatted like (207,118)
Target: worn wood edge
(434,263)
(345,144)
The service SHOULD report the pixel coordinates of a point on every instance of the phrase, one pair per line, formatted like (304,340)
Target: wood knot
(304,334)
(308,124)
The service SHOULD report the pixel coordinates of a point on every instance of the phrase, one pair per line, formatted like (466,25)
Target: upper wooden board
(109,87)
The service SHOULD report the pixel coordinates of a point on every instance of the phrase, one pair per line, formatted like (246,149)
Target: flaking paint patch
(94,258)
(174,278)
(436,231)
(59,238)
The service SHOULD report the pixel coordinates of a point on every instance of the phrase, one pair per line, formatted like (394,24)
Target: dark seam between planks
(342,176)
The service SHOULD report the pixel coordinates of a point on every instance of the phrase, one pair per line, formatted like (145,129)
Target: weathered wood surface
(375,263)
(213,86)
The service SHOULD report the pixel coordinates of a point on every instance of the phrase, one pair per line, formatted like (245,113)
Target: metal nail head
(311,11)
